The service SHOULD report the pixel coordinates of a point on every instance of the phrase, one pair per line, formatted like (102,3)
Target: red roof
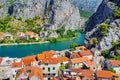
(115,63)
(28,60)
(49,61)
(79,60)
(32,71)
(17,65)
(49,54)
(1,60)
(89,63)
(76,55)
(63,59)
(104,74)
(85,53)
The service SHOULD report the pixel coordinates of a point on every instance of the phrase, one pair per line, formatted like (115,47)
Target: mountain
(87,5)
(103,27)
(56,12)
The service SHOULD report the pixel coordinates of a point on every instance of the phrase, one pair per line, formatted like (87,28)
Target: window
(53,68)
(49,69)
(48,78)
(43,68)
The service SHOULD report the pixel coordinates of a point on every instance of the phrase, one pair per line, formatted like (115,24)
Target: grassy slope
(85,14)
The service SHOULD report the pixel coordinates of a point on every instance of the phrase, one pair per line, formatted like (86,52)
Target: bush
(116,13)
(104,29)
(112,70)
(73,45)
(105,53)
(93,41)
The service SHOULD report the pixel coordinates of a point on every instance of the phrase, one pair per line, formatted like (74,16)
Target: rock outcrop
(55,12)
(104,15)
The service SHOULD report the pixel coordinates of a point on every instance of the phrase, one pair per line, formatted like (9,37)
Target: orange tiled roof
(40,56)
(79,60)
(104,74)
(32,71)
(89,63)
(76,55)
(1,60)
(86,73)
(28,59)
(17,64)
(85,53)
(53,78)
(75,69)
(18,33)
(28,33)
(62,59)
(49,54)
(49,61)
(115,63)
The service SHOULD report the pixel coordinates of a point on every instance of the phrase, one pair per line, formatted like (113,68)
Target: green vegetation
(11,1)
(113,43)
(112,70)
(116,13)
(85,14)
(61,31)
(104,29)
(62,66)
(93,41)
(105,53)
(52,39)
(73,45)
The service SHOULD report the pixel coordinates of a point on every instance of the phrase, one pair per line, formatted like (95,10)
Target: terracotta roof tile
(76,55)
(40,56)
(86,73)
(85,53)
(63,59)
(28,59)
(29,33)
(1,60)
(49,61)
(115,63)
(89,63)
(79,60)
(32,71)
(17,65)
(75,69)
(49,54)
(104,74)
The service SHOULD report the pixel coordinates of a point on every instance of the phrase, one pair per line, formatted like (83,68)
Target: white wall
(117,69)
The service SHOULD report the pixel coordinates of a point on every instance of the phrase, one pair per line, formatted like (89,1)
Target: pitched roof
(17,64)
(1,60)
(62,59)
(28,33)
(49,61)
(104,74)
(40,56)
(75,69)
(85,53)
(86,73)
(79,60)
(49,54)
(76,55)
(28,59)
(32,71)
(89,63)
(18,33)
(115,63)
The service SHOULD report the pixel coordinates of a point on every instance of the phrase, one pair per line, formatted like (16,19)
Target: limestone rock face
(104,15)
(56,12)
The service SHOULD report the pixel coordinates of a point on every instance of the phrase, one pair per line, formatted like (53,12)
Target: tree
(116,13)
(105,53)
(62,66)
(73,45)
(112,70)
(104,29)
(93,41)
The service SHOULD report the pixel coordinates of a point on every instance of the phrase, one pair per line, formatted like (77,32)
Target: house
(2,35)
(15,67)
(29,73)
(21,35)
(36,37)
(30,34)
(84,52)
(29,60)
(51,53)
(104,75)
(86,74)
(48,27)
(8,35)
(63,60)
(77,62)
(49,67)
(76,55)
(115,65)
(40,56)
(5,72)
(43,34)
(89,64)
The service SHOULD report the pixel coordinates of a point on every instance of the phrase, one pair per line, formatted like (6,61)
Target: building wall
(104,79)
(117,69)
(78,65)
(89,56)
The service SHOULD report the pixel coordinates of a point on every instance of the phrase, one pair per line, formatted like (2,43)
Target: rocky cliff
(55,12)
(104,15)
(87,5)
